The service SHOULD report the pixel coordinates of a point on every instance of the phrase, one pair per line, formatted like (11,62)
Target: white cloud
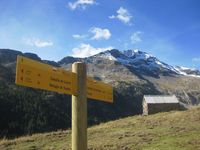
(78,36)
(123,15)
(80,4)
(112,17)
(100,33)
(197,59)
(38,42)
(136,37)
(85,50)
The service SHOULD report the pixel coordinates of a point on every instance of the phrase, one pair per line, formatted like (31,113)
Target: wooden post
(79,109)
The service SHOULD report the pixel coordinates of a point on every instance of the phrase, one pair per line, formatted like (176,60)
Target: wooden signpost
(38,75)
(79,109)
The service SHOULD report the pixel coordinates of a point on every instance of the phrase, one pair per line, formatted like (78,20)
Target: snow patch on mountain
(142,60)
(106,55)
(185,68)
(188,71)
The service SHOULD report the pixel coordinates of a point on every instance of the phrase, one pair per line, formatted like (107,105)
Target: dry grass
(163,131)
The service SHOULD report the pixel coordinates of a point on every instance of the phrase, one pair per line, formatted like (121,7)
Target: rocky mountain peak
(136,53)
(144,63)
(8,55)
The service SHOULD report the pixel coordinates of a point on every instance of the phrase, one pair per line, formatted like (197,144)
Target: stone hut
(159,103)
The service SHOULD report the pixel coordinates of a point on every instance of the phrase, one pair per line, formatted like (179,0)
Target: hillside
(132,73)
(176,130)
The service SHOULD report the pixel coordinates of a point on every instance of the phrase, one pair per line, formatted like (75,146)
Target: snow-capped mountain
(146,63)
(188,71)
(133,73)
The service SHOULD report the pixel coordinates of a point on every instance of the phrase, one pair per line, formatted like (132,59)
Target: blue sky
(53,29)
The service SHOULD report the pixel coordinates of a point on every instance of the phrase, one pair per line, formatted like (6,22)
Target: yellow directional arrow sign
(35,74)
(38,75)
(99,90)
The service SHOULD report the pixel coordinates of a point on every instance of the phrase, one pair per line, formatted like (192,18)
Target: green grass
(177,130)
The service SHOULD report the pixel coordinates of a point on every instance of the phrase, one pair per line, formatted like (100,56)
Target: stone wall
(155,108)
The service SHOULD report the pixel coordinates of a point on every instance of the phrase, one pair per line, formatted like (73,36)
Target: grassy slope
(163,131)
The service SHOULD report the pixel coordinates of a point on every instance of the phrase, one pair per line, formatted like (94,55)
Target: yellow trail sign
(38,75)
(35,74)
(99,90)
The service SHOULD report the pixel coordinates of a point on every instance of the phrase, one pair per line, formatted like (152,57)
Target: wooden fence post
(79,109)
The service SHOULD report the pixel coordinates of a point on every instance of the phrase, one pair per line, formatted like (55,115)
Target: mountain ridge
(137,59)
(132,67)
(142,60)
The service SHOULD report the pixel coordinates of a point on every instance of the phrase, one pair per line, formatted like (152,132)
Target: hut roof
(159,99)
